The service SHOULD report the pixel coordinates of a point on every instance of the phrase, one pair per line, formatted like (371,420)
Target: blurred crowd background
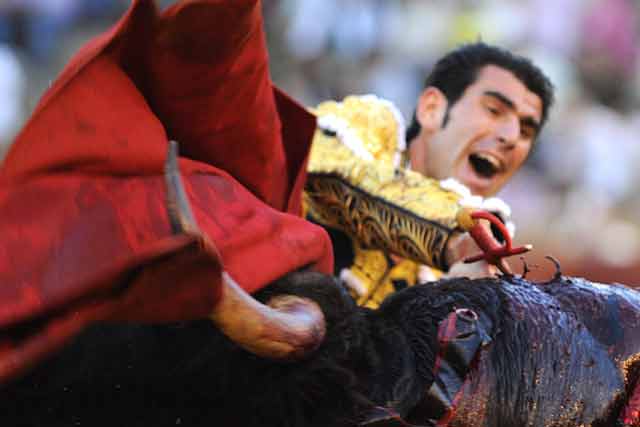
(576,199)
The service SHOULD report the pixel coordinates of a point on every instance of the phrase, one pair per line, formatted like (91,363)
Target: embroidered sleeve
(356,183)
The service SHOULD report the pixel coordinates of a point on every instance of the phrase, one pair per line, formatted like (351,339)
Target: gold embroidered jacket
(357,184)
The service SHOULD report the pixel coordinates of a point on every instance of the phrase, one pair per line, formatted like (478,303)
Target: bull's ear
(385,417)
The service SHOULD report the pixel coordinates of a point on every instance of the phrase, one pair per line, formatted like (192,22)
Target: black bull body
(563,353)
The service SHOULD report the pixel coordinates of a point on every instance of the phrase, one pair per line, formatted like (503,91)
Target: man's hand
(476,270)
(462,246)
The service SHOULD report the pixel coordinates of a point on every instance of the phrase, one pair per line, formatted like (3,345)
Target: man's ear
(431,109)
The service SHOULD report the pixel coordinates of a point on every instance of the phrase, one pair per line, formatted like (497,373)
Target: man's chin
(484,192)
(480,187)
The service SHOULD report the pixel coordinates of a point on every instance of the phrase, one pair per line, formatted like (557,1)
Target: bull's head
(563,353)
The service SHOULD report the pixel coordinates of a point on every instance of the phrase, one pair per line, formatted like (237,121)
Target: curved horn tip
(288,327)
(311,326)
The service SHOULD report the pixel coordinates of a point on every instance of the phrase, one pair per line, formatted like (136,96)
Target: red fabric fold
(220,106)
(83,215)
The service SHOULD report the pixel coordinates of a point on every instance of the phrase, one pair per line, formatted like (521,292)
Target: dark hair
(457,70)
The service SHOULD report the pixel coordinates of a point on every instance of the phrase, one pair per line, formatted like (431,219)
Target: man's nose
(508,131)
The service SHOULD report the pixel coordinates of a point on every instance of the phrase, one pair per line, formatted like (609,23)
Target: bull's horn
(288,327)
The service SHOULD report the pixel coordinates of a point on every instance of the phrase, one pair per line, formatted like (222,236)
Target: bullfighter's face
(482,139)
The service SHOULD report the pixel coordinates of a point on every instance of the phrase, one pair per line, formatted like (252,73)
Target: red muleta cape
(85,233)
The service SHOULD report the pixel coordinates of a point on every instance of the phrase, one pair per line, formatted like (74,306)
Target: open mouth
(485,165)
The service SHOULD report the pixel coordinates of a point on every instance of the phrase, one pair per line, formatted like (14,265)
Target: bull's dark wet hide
(558,356)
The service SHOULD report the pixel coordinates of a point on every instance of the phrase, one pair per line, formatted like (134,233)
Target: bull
(490,352)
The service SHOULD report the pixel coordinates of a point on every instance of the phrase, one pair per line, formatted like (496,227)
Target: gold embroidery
(370,267)
(375,223)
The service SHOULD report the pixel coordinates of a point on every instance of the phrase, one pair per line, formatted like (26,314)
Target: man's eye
(493,110)
(526,133)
